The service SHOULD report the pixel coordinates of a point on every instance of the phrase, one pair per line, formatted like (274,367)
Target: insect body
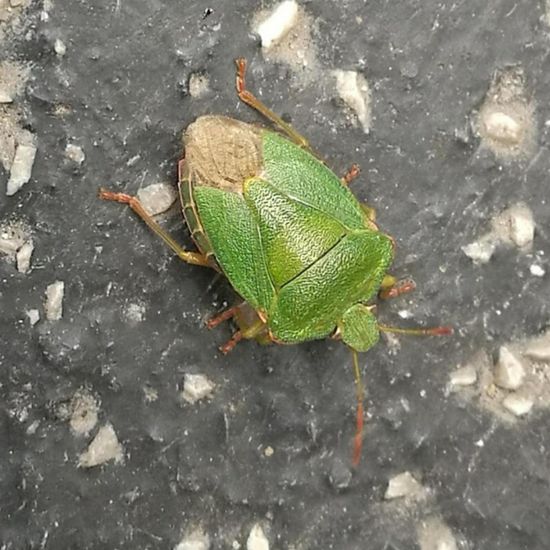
(290,237)
(305,256)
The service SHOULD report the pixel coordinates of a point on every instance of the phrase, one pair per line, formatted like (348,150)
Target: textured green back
(295,244)
(293,234)
(309,306)
(235,239)
(303,177)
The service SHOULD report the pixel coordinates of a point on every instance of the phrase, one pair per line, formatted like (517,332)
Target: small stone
(16,3)
(503,128)
(522,225)
(157,198)
(464,376)
(340,475)
(257,539)
(409,69)
(32,427)
(268,451)
(509,372)
(196,387)
(75,153)
(150,394)
(5,96)
(103,448)
(198,85)
(34,316)
(54,301)
(537,271)
(13,236)
(403,485)
(59,47)
(353,88)
(23,257)
(506,121)
(84,412)
(196,540)
(539,348)
(433,534)
(21,168)
(278,24)
(134,313)
(518,404)
(480,251)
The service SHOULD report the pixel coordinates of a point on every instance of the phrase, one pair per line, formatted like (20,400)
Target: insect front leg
(194,258)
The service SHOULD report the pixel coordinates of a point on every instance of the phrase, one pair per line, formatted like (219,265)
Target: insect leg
(223,316)
(251,100)
(351,174)
(250,332)
(392,288)
(189,257)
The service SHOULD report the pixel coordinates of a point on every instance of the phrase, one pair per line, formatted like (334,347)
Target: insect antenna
(360,391)
(433,331)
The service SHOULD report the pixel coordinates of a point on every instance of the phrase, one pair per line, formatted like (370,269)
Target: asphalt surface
(271,444)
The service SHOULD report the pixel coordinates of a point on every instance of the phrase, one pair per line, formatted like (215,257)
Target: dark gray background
(124,79)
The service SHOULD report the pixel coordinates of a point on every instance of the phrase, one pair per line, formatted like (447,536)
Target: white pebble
(402,485)
(257,539)
(433,534)
(104,447)
(198,84)
(59,47)
(537,271)
(518,404)
(33,315)
(196,540)
(157,198)
(75,153)
(504,128)
(196,387)
(54,301)
(12,237)
(509,372)
(277,25)
(32,427)
(21,168)
(539,348)
(354,90)
(84,412)
(464,376)
(23,257)
(522,225)
(5,96)
(134,313)
(480,251)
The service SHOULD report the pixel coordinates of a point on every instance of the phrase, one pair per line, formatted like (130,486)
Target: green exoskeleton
(304,255)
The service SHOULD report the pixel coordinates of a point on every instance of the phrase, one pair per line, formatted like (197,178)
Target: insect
(304,255)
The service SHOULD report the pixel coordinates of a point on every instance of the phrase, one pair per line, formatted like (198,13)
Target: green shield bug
(304,255)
